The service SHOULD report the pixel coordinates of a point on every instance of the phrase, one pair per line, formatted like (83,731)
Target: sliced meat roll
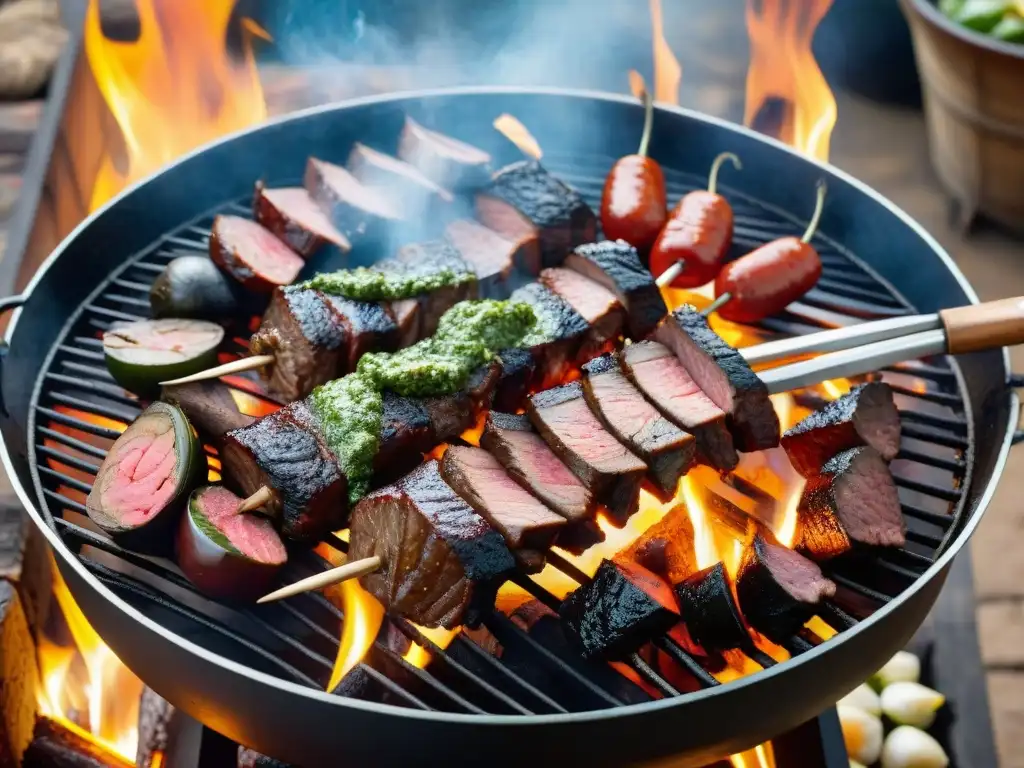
(491,256)
(355,209)
(446,161)
(296,219)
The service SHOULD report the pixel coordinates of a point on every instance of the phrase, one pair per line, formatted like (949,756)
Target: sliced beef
(665,382)
(624,607)
(866,415)
(407,317)
(853,501)
(725,377)
(667,547)
(284,451)
(668,451)
(416,195)
(518,371)
(616,265)
(447,162)
(709,609)
(558,335)
(779,589)
(427,258)
(524,202)
(296,219)
(209,406)
(491,256)
(406,433)
(369,327)
(524,521)
(441,560)
(605,466)
(353,208)
(594,303)
(303,332)
(251,254)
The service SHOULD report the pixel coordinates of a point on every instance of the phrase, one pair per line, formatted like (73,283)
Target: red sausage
(698,233)
(767,279)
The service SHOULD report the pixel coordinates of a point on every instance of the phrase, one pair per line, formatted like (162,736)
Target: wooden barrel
(974,104)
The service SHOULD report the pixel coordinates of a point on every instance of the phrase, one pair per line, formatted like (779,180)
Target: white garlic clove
(863,697)
(904,667)
(911,704)
(908,747)
(862,733)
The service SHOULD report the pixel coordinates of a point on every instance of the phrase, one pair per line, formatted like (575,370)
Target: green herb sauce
(366,284)
(351,409)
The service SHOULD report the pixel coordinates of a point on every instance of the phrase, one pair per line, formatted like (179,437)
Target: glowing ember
(667,72)
(758,757)
(783,72)
(517,133)
(173,88)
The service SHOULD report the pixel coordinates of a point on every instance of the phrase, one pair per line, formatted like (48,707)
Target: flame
(419,656)
(667,71)
(703,540)
(783,69)
(173,88)
(518,134)
(762,756)
(363,617)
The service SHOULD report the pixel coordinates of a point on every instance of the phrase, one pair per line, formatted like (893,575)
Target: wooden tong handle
(984,326)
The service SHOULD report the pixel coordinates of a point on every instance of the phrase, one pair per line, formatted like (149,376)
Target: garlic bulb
(908,747)
(911,704)
(862,733)
(863,697)
(904,667)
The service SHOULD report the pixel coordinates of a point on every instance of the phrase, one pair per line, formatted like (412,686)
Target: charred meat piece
(209,406)
(709,609)
(491,256)
(295,218)
(302,330)
(779,589)
(407,318)
(667,547)
(482,482)
(416,195)
(518,371)
(866,415)
(369,327)
(617,266)
(722,373)
(524,202)
(284,451)
(624,607)
(441,561)
(668,451)
(666,383)
(352,207)
(852,502)
(558,334)
(406,433)
(447,162)
(429,257)
(604,465)
(594,303)
(251,254)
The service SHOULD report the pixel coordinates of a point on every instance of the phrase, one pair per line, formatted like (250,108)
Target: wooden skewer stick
(235,366)
(352,570)
(263,495)
(670,274)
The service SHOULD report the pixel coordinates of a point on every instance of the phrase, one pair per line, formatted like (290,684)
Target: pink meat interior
(144,480)
(260,250)
(251,535)
(296,203)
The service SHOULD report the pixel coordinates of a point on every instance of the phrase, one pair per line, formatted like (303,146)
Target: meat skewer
(448,162)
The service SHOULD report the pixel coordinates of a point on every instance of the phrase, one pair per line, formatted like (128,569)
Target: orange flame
(668,74)
(758,757)
(363,617)
(783,68)
(173,88)
(419,656)
(518,134)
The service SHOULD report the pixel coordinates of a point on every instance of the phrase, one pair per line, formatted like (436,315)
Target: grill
(67,410)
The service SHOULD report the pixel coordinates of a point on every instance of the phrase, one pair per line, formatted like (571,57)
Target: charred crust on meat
(557,395)
(707,605)
(518,370)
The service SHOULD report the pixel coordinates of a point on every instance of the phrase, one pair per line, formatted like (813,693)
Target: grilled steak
(369,327)
(853,501)
(617,266)
(406,433)
(429,257)
(407,318)
(706,600)
(604,465)
(352,207)
(490,255)
(667,547)
(558,335)
(623,608)
(480,480)
(448,162)
(441,560)
(416,196)
(209,406)
(301,329)
(284,451)
(251,254)
(524,201)
(779,589)
(594,303)
(724,375)
(518,371)
(666,383)
(292,215)
(668,451)
(866,415)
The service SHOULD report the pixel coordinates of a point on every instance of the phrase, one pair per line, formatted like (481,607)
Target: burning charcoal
(668,450)
(484,638)
(605,466)
(779,589)
(353,208)
(559,333)
(525,203)
(667,547)
(247,758)
(440,560)
(209,406)
(853,501)
(709,609)
(295,218)
(157,723)
(429,257)
(866,415)
(491,256)
(665,382)
(20,679)
(252,255)
(623,607)
(416,195)
(54,746)
(448,162)
(617,266)
(722,373)
(594,303)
